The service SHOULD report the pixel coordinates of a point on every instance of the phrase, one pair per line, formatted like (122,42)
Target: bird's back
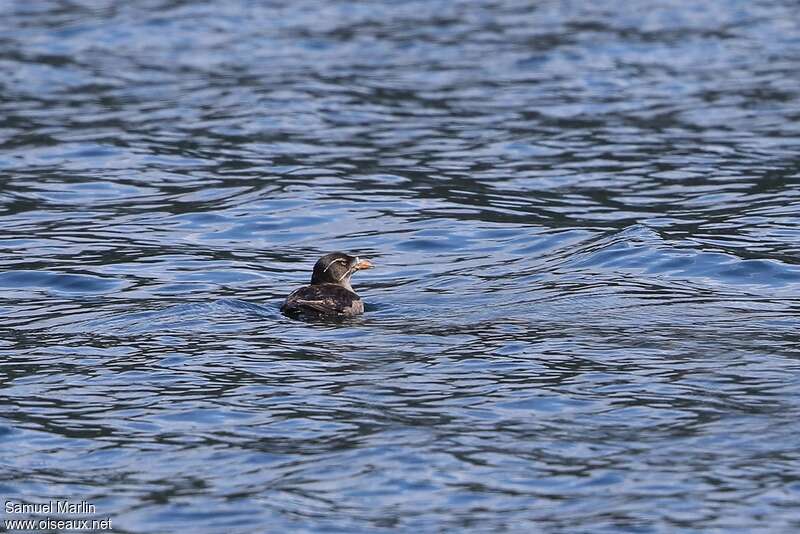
(323,300)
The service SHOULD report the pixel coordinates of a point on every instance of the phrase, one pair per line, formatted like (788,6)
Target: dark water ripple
(585,217)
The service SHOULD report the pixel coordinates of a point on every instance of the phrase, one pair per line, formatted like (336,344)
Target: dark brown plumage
(330,293)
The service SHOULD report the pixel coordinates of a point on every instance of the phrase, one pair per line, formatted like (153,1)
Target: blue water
(585,220)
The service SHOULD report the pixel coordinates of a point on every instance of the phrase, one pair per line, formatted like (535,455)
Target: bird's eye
(340,260)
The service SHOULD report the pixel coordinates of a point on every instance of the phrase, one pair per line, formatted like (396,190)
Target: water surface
(584,217)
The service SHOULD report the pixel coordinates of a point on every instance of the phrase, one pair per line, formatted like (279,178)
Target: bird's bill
(363,264)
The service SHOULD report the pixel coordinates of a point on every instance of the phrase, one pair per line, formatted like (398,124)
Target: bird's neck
(342,283)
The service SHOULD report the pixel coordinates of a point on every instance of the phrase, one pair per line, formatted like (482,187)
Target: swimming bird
(330,293)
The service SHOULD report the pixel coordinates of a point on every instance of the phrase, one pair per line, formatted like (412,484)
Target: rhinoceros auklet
(330,293)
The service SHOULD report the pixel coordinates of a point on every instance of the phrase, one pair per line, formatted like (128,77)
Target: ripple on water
(59,282)
(641,250)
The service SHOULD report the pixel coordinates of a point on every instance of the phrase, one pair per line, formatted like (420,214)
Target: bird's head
(337,268)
